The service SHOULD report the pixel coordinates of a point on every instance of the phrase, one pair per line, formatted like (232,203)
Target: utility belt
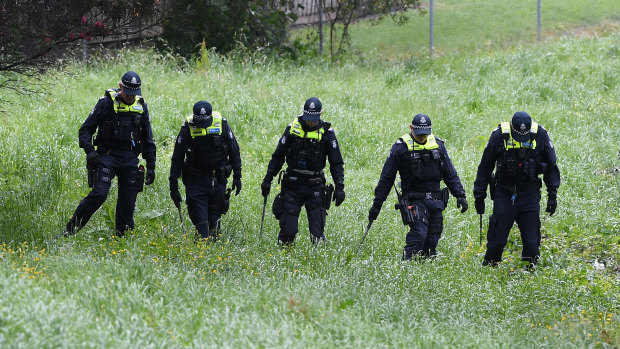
(434,195)
(303,177)
(122,146)
(220,174)
(296,177)
(410,212)
(521,187)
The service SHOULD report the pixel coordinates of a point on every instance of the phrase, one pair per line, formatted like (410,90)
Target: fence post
(320,27)
(432,44)
(538,20)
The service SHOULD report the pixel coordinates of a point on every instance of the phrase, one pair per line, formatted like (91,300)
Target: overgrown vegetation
(155,288)
(226,25)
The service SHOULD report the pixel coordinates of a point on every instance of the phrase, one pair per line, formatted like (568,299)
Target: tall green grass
(155,288)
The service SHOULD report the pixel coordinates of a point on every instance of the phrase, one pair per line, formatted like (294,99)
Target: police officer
(422,161)
(519,151)
(305,145)
(205,154)
(121,120)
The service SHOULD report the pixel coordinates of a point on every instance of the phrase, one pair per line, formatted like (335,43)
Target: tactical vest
(123,130)
(207,149)
(306,150)
(423,160)
(519,161)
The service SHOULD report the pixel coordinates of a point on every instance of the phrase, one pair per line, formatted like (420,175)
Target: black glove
(338,196)
(461,203)
(92,159)
(236,185)
(479,204)
(150,177)
(176,198)
(552,204)
(265,187)
(373,213)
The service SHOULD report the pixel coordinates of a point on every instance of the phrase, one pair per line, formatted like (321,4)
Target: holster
(226,201)
(327,198)
(222,173)
(92,175)
(445,196)
(278,205)
(407,212)
(278,202)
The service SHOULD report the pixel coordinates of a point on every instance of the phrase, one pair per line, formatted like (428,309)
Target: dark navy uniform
(205,154)
(421,167)
(518,158)
(305,150)
(122,133)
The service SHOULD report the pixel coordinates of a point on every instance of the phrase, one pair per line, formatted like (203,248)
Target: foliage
(156,288)
(35,33)
(342,14)
(227,24)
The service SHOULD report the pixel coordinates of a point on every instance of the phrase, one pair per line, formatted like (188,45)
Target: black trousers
(295,196)
(204,197)
(424,234)
(117,163)
(526,212)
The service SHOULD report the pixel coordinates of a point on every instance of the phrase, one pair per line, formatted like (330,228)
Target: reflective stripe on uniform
(511,143)
(431,143)
(121,107)
(297,130)
(215,128)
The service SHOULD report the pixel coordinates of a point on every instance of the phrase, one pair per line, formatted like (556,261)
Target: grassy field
(155,288)
(464,26)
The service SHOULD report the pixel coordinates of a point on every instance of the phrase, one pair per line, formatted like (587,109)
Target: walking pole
(178,205)
(260,233)
(364,236)
(481,230)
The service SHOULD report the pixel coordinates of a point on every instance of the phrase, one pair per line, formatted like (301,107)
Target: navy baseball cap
(131,83)
(521,124)
(202,114)
(312,110)
(203,108)
(421,124)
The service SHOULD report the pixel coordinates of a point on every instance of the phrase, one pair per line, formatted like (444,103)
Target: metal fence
(309,13)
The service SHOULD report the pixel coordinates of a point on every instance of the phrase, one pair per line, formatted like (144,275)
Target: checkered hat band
(311,112)
(130,85)
(421,127)
(522,133)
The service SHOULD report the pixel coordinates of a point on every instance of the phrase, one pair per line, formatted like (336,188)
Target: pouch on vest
(278,206)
